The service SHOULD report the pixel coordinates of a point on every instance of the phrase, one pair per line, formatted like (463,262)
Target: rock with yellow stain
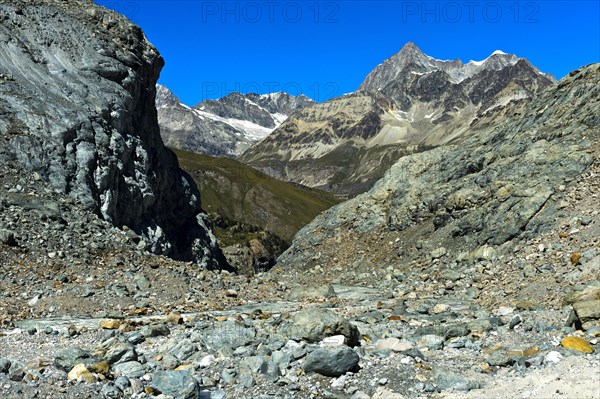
(101,367)
(82,374)
(173,318)
(575,258)
(485,368)
(577,344)
(534,350)
(110,324)
(492,349)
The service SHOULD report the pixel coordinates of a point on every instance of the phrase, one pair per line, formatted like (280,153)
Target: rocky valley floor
(470,270)
(86,313)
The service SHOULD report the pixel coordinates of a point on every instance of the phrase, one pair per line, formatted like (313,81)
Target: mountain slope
(77,109)
(409,103)
(463,202)
(224,127)
(238,192)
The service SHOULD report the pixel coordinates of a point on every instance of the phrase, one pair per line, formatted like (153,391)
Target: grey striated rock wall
(77,106)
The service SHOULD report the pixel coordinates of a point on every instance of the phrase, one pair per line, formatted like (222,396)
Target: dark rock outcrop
(77,106)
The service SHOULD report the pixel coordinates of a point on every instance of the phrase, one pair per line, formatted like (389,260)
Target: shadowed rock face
(77,95)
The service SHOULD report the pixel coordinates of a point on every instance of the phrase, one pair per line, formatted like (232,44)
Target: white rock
(504,311)
(291,345)
(360,395)
(206,361)
(406,360)
(333,341)
(441,308)
(552,357)
(339,383)
(394,344)
(34,300)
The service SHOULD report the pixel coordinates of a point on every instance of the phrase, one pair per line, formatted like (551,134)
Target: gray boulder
(66,359)
(5,365)
(313,325)
(331,362)
(227,334)
(446,379)
(7,237)
(585,315)
(179,384)
(132,369)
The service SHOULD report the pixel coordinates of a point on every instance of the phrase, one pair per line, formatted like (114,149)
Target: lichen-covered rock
(78,109)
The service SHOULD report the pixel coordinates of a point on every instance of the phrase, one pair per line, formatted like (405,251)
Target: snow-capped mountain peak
(411,59)
(226,126)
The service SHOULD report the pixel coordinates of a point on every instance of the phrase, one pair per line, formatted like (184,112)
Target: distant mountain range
(409,103)
(224,127)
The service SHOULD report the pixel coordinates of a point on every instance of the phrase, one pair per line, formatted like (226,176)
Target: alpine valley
(434,234)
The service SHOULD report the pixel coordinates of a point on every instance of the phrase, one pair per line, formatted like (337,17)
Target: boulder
(331,362)
(313,325)
(178,384)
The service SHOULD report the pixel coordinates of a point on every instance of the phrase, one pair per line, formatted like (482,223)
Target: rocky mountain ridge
(77,104)
(408,104)
(410,56)
(224,127)
(499,185)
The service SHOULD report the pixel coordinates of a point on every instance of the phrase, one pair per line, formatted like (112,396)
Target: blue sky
(325,48)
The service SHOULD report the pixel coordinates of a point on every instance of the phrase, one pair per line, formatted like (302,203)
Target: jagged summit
(409,103)
(411,60)
(410,50)
(165,97)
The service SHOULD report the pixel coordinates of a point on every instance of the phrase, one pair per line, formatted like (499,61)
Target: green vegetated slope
(242,194)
